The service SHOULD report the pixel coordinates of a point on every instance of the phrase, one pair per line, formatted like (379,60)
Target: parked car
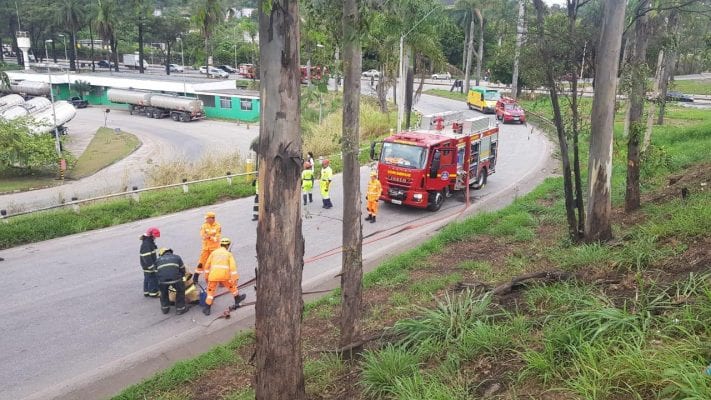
(442,75)
(78,102)
(104,64)
(175,68)
(678,96)
(214,72)
(507,110)
(371,73)
(227,69)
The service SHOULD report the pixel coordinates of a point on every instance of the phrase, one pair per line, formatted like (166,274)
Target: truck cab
(422,168)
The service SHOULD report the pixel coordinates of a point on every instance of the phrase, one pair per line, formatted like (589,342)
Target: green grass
(700,86)
(447,94)
(185,371)
(105,148)
(10,182)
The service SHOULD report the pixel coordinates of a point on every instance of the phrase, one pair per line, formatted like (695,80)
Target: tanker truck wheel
(149,114)
(185,118)
(175,117)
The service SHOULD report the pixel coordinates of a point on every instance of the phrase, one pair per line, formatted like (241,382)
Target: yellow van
(483,99)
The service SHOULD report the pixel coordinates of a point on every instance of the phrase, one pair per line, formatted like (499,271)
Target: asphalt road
(75,323)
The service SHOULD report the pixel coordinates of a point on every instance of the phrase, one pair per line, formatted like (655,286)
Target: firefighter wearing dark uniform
(170,270)
(148,262)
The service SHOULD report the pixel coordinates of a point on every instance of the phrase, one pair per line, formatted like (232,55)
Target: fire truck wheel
(436,199)
(481,180)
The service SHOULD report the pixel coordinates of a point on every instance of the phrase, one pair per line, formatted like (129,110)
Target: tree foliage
(21,149)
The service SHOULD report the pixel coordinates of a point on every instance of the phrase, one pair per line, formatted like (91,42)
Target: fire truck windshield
(404,155)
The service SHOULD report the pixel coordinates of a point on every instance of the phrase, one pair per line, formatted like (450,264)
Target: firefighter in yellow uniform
(373,196)
(326,177)
(210,232)
(221,269)
(307,183)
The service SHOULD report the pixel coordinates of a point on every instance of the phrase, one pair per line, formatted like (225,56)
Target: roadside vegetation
(702,86)
(458,317)
(105,148)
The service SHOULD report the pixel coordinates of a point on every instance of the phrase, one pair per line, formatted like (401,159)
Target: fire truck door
(492,163)
(474,161)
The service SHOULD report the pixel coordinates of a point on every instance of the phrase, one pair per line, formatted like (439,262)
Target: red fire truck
(422,168)
(247,71)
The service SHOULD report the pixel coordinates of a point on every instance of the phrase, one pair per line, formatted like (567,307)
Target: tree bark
(167,61)
(140,45)
(352,272)
(409,87)
(73,53)
(669,61)
(574,108)
(517,53)
(597,223)
(465,46)
(470,52)
(91,37)
(2,54)
(112,44)
(280,242)
(480,53)
(652,106)
(638,61)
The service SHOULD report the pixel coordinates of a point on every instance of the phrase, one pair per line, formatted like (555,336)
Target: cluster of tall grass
(211,164)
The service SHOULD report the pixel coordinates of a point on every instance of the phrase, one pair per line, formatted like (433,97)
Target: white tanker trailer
(158,105)
(30,88)
(14,112)
(37,104)
(11,100)
(44,121)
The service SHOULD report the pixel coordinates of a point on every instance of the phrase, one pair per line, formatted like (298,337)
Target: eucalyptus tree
(280,241)
(475,8)
(208,15)
(71,14)
(105,23)
(168,28)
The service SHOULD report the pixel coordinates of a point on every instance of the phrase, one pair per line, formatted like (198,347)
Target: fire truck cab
(422,168)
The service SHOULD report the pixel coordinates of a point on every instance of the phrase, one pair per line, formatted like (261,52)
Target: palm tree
(81,87)
(71,13)
(105,23)
(208,15)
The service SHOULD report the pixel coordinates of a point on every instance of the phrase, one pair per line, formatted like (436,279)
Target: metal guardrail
(134,193)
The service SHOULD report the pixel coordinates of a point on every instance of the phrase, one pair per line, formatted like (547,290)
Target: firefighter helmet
(209,214)
(164,250)
(225,241)
(153,232)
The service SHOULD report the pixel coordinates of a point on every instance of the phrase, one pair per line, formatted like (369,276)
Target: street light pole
(51,96)
(64,41)
(182,60)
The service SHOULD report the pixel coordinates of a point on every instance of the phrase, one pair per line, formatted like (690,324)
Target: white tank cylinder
(188,104)
(14,112)
(11,100)
(44,121)
(129,97)
(37,104)
(32,88)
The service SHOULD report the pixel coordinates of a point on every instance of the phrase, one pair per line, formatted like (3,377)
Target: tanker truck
(46,120)
(178,108)
(37,104)
(13,112)
(30,88)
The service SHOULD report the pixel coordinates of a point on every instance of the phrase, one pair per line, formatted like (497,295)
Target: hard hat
(325,162)
(209,214)
(164,250)
(307,165)
(225,241)
(153,231)
(373,173)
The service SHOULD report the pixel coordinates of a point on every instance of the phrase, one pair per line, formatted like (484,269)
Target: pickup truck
(78,102)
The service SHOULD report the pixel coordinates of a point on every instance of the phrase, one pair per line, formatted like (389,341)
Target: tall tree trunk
(651,106)
(207,57)
(352,272)
(2,53)
(112,44)
(480,53)
(91,37)
(597,222)
(280,242)
(544,45)
(470,52)
(638,91)
(167,61)
(409,87)
(73,53)
(517,52)
(140,45)
(54,52)
(669,61)
(574,108)
(465,46)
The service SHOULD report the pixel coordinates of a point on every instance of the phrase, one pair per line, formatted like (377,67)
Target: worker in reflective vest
(326,177)
(170,271)
(255,207)
(307,183)
(373,196)
(221,269)
(210,232)
(148,262)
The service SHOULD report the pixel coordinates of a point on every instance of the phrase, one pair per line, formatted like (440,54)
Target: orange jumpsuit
(211,235)
(221,269)
(373,195)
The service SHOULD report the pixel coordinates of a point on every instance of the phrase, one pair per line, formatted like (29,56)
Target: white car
(175,68)
(371,73)
(214,72)
(442,75)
